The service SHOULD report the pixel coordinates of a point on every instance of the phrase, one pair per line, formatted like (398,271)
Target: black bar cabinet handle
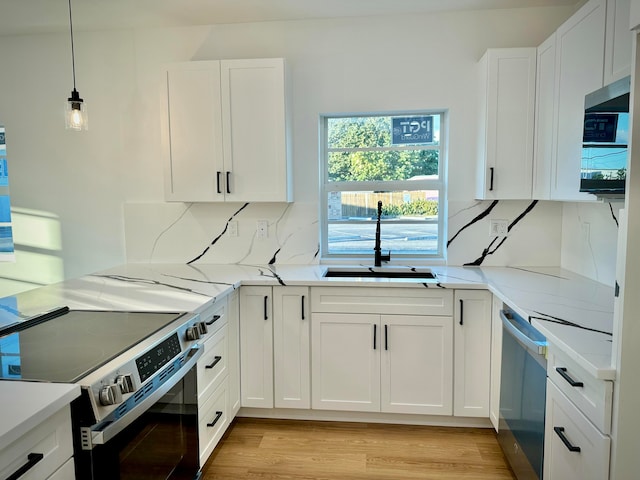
(32,459)
(302,307)
(375,334)
(216,359)
(563,373)
(213,320)
(560,432)
(218,182)
(215,420)
(228,183)
(491,179)
(461,312)
(386,337)
(266,314)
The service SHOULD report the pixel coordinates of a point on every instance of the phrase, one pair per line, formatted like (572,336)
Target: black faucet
(378,257)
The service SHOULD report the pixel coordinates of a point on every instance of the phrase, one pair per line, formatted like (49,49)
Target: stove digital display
(156,358)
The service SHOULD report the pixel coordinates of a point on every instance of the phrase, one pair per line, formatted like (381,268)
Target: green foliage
(414,208)
(621,174)
(373,132)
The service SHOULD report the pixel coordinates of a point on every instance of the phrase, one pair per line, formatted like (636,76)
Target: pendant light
(76,109)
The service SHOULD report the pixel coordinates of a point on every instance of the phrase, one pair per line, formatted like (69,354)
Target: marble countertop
(573,312)
(25,405)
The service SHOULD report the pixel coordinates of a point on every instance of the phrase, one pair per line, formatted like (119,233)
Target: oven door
(522,396)
(160,443)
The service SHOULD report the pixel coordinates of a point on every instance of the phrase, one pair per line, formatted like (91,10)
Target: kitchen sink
(380,272)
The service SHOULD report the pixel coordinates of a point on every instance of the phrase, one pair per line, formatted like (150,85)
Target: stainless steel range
(137,415)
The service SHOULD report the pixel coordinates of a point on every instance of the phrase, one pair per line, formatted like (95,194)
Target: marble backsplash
(199,233)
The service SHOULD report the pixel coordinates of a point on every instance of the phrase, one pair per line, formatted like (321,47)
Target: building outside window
(398,160)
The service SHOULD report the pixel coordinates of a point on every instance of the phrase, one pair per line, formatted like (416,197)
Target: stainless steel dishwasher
(522,395)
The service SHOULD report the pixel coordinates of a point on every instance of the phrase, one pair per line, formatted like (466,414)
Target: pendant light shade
(76,109)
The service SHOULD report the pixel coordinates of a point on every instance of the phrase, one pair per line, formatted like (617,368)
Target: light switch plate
(499,228)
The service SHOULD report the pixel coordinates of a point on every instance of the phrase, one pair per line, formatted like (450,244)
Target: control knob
(125,382)
(110,395)
(202,328)
(193,333)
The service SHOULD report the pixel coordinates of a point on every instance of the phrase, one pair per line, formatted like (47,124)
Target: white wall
(85,181)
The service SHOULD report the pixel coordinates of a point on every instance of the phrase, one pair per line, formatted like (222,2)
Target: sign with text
(412,130)
(600,127)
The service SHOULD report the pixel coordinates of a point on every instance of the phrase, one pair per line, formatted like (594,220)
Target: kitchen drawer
(213,420)
(214,316)
(65,472)
(400,301)
(212,366)
(560,463)
(593,398)
(52,438)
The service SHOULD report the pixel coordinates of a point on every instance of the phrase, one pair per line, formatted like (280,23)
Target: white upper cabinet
(544,118)
(506,123)
(579,70)
(619,41)
(225,132)
(634,15)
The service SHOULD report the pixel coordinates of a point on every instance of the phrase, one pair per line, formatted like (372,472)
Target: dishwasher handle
(533,345)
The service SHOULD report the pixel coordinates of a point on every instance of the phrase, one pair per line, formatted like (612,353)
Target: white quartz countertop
(26,404)
(573,312)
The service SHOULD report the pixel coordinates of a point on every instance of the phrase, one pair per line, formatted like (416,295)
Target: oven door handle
(536,347)
(102,436)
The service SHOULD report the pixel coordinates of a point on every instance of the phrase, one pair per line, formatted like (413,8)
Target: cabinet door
(417,364)
(255,133)
(579,70)
(256,347)
(345,361)
(544,118)
(192,132)
(506,124)
(233,330)
(496,362)
(472,347)
(618,42)
(291,328)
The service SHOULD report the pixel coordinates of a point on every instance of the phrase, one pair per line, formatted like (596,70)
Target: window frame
(439,184)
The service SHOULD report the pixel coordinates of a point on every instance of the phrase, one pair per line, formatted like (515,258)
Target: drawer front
(52,439)
(65,472)
(213,420)
(399,301)
(212,366)
(593,397)
(567,428)
(214,316)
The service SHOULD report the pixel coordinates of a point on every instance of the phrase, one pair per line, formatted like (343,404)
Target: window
(394,159)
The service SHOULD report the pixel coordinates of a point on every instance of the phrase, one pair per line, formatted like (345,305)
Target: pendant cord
(73,59)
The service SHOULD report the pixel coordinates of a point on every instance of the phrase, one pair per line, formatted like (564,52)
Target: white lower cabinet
(386,358)
(48,447)
(274,346)
(291,344)
(574,448)
(472,358)
(218,377)
(256,347)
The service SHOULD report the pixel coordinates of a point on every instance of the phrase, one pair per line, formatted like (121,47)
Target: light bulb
(76,113)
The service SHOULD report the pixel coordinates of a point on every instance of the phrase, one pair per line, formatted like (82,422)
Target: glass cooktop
(68,347)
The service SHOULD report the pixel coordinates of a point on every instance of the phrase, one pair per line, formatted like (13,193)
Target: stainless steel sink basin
(380,272)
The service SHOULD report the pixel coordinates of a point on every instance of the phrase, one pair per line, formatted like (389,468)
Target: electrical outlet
(499,228)
(586,231)
(262,229)
(232,228)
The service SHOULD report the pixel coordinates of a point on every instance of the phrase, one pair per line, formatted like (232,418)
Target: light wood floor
(306,450)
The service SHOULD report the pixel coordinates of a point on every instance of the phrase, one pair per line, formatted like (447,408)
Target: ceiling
(39,16)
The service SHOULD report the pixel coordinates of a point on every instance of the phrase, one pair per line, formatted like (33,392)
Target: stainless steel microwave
(603,167)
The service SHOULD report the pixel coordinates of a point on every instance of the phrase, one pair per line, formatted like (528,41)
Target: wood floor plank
(308,450)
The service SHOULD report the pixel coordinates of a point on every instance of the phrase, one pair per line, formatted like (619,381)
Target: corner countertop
(26,404)
(573,312)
